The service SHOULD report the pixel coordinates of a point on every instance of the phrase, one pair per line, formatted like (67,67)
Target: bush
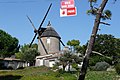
(97,58)
(101,66)
(1,65)
(91,68)
(117,68)
(10,68)
(20,68)
(94,60)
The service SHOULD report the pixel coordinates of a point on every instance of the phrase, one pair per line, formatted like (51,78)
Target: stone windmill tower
(48,46)
(48,38)
(50,41)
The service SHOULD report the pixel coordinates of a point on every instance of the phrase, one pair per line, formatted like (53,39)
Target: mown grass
(44,73)
(35,73)
(102,75)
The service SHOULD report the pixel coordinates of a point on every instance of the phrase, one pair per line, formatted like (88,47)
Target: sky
(13,19)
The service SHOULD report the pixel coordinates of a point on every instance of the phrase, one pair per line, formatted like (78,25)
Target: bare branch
(101,54)
(105,23)
(91,5)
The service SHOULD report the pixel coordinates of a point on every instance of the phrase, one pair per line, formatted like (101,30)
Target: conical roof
(50,32)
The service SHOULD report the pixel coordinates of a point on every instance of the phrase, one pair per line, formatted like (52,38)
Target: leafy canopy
(107,14)
(28,54)
(8,44)
(107,45)
(69,58)
(73,43)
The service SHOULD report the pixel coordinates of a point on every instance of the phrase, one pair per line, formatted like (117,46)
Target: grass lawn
(35,73)
(102,75)
(43,73)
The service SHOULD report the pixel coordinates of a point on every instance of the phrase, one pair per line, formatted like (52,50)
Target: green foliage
(95,59)
(108,46)
(65,60)
(101,66)
(81,49)
(117,68)
(75,46)
(74,65)
(73,43)
(91,12)
(68,59)
(8,44)
(30,54)
(106,14)
(27,54)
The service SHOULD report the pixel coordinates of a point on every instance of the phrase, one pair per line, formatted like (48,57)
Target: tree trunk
(92,40)
(64,68)
(69,67)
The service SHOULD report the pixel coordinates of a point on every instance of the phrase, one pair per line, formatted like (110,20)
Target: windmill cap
(50,32)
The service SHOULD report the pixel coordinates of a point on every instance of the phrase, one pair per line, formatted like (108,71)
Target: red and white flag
(68,8)
(67,3)
(68,12)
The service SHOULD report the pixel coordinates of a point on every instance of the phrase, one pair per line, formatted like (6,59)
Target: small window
(48,40)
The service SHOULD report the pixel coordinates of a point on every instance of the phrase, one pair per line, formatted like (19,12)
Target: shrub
(91,68)
(97,58)
(117,68)
(101,66)
(10,68)
(94,60)
(20,68)
(1,65)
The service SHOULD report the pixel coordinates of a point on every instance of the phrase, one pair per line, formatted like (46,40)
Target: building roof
(10,59)
(50,32)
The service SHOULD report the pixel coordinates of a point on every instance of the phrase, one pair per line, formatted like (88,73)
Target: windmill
(44,45)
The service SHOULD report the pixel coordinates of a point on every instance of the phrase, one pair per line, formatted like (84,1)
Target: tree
(108,46)
(28,54)
(81,49)
(63,61)
(69,58)
(73,43)
(8,44)
(99,14)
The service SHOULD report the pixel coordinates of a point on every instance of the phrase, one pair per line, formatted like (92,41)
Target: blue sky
(13,19)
